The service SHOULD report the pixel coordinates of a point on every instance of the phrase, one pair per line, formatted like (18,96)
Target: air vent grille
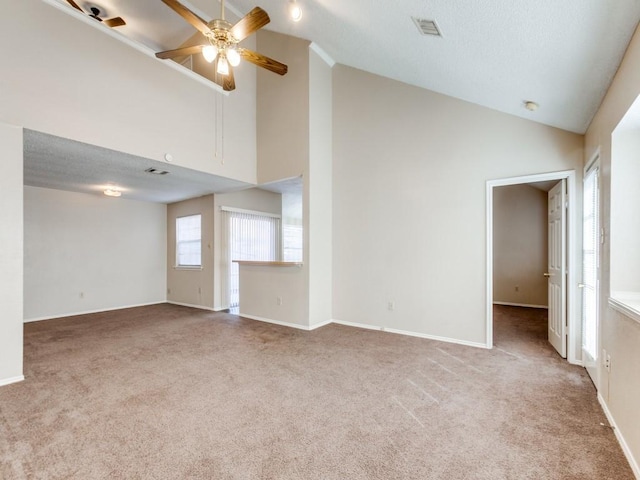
(155,171)
(427,27)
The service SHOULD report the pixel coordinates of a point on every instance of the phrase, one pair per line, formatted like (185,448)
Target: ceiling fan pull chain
(222,130)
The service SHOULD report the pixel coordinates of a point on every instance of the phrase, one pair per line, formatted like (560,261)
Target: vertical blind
(590,262)
(246,236)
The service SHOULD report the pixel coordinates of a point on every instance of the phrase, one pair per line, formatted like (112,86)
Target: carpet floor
(169,392)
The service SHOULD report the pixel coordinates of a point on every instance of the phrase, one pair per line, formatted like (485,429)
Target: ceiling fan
(94,12)
(223,50)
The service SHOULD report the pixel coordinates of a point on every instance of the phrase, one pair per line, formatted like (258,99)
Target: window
(189,241)
(625,215)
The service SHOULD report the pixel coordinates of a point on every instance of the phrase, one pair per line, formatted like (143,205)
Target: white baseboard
(358,325)
(87,312)
(411,334)
(527,305)
(321,324)
(621,440)
(10,380)
(277,322)
(199,307)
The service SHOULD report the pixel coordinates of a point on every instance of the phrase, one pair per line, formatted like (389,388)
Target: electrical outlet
(278,300)
(199,289)
(517,288)
(607,363)
(391,306)
(81,294)
(168,291)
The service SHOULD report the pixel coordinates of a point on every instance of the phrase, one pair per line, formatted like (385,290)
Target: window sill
(256,263)
(627,303)
(184,267)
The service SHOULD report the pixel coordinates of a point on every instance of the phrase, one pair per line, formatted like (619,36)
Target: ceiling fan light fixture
(295,11)
(112,191)
(233,57)
(209,53)
(223,65)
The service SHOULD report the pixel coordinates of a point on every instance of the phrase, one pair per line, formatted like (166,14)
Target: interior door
(557,267)
(590,265)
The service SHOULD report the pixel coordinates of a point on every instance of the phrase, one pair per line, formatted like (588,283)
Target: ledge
(627,303)
(255,263)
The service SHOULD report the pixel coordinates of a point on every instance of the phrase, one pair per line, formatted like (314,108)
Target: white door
(590,264)
(556,269)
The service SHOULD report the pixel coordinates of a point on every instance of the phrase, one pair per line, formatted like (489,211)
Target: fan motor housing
(219,31)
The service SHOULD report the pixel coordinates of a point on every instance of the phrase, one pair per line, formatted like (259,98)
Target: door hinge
(602,236)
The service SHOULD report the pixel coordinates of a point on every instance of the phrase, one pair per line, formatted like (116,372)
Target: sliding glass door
(590,271)
(246,236)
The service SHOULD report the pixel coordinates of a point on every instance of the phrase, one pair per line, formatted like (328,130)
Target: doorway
(573,323)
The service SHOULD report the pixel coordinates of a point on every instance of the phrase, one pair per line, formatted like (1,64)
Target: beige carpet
(168,392)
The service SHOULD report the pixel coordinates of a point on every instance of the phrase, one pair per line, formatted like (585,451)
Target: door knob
(581,285)
(547,274)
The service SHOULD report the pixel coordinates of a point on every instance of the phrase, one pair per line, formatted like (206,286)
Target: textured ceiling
(495,53)
(62,164)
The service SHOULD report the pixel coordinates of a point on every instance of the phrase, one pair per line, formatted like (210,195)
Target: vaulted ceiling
(495,53)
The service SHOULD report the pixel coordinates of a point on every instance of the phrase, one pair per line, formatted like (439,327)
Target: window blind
(189,241)
(590,262)
(246,236)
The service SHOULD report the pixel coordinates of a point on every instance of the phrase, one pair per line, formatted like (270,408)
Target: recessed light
(112,192)
(531,106)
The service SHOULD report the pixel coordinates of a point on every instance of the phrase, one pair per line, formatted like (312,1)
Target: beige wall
(11,250)
(620,335)
(295,139)
(519,245)
(85,253)
(409,219)
(260,287)
(283,109)
(191,286)
(71,79)
(317,219)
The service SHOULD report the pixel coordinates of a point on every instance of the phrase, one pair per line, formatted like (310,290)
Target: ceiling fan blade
(252,21)
(180,52)
(115,22)
(229,82)
(188,15)
(74,5)
(263,61)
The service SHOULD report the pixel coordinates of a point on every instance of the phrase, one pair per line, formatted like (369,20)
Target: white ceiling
(63,164)
(495,53)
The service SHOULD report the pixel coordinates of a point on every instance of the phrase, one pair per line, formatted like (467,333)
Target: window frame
(177,264)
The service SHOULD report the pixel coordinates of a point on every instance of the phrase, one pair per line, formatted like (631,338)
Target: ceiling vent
(155,171)
(427,27)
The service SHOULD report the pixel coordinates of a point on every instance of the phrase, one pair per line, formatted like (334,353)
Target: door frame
(574,241)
